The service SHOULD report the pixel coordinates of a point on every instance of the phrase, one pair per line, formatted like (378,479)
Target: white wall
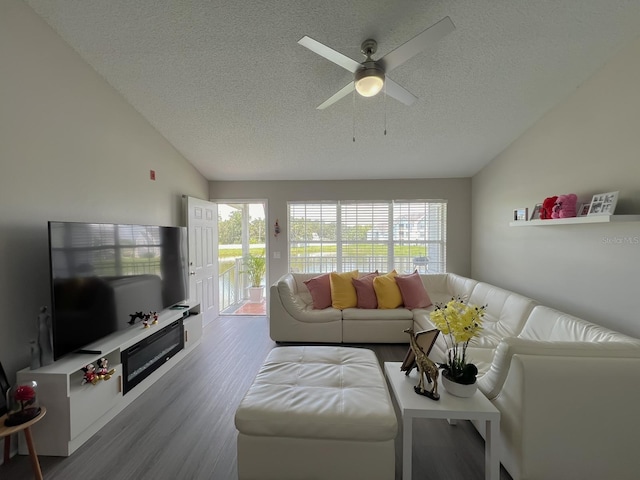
(457,191)
(71,148)
(588,144)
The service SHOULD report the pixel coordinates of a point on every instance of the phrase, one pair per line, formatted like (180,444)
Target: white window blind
(367,236)
(313,237)
(419,236)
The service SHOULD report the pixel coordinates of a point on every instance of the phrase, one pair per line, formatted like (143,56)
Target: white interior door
(202,224)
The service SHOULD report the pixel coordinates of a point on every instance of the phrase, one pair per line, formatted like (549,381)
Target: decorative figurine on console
(134,316)
(426,368)
(147,318)
(89,374)
(103,371)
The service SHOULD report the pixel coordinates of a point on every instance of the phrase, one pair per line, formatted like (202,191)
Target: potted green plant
(255,268)
(459,323)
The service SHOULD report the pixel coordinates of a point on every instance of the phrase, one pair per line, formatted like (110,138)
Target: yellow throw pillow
(343,293)
(387,291)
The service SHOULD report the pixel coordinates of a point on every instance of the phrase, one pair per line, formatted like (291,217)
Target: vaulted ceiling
(227,84)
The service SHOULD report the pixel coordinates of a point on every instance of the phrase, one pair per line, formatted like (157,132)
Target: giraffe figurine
(426,368)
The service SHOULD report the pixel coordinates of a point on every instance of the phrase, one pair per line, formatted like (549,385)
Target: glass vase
(22,403)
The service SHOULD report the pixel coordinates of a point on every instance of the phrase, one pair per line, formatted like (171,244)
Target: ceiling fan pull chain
(385,109)
(354,115)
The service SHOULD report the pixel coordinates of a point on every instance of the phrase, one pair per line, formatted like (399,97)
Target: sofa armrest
(287,289)
(491,383)
(570,416)
(294,304)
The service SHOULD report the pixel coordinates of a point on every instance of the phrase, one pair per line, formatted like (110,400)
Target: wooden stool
(8,431)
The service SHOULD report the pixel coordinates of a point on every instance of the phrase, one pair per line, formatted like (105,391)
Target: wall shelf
(576,220)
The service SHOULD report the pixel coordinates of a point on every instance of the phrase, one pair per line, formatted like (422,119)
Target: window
(368,236)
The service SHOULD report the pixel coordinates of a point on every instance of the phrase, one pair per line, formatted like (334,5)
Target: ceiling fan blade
(343,92)
(398,92)
(417,44)
(330,54)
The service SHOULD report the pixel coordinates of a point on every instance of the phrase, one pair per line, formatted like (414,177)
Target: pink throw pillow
(414,295)
(365,292)
(320,290)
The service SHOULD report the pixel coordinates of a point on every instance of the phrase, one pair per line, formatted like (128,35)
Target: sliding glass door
(242,257)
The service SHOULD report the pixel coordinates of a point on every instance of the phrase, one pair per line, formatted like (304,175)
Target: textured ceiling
(228,85)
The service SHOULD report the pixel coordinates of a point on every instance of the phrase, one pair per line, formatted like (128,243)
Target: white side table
(448,407)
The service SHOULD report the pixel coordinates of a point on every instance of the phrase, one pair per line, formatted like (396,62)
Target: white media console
(75,412)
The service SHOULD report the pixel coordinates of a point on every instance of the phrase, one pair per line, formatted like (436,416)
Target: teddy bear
(547,207)
(565,206)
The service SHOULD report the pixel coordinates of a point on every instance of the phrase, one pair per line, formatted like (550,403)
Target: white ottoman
(317,413)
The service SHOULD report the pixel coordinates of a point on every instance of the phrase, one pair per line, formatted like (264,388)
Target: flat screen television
(103,273)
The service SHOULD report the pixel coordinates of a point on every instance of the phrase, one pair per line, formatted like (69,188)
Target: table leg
(35,464)
(7,449)
(407,446)
(491,451)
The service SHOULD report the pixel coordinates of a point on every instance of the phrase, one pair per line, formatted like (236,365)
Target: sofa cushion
(320,290)
(491,383)
(365,292)
(546,323)
(444,286)
(387,290)
(377,314)
(414,295)
(343,293)
(505,315)
(481,358)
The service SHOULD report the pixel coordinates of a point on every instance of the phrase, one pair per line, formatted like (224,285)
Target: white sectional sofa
(567,389)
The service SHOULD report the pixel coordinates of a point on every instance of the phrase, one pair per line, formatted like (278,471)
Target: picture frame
(425,339)
(583,211)
(535,214)
(520,214)
(603,203)
(4,386)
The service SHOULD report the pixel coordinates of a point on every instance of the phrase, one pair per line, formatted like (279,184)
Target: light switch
(276,254)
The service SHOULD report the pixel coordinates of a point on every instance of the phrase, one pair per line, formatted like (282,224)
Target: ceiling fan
(370,76)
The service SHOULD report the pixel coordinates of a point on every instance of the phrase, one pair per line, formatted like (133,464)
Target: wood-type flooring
(182,427)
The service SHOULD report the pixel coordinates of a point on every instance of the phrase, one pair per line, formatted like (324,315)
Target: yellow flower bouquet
(459,323)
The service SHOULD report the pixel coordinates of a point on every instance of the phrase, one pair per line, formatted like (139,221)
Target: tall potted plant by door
(255,268)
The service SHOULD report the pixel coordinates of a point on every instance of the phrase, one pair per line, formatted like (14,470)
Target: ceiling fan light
(369,81)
